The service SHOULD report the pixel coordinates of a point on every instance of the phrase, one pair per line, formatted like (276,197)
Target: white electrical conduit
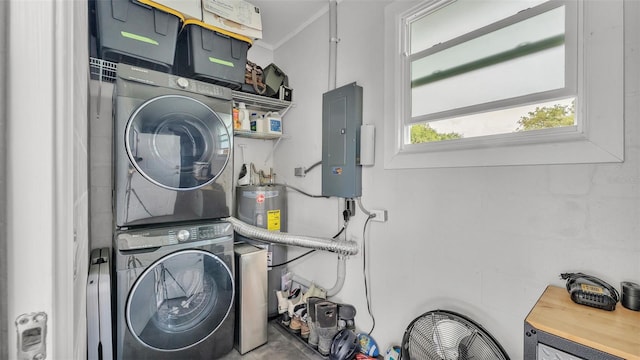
(364,211)
(333,42)
(342,274)
(343,247)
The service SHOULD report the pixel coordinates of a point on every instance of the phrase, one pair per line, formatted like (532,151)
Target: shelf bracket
(287,109)
(273,149)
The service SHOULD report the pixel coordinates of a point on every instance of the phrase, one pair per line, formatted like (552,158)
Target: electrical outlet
(299,171)
(381,215)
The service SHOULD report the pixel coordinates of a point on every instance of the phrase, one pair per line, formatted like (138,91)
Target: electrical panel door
(341,121)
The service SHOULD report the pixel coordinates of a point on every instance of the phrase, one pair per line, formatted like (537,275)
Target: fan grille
(444,335)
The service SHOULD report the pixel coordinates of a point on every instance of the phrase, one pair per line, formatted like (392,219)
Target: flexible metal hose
(344,247)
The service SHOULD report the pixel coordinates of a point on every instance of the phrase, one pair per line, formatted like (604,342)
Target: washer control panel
(156,237)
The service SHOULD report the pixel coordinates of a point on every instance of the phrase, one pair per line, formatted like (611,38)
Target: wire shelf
(102,70)
(261,103)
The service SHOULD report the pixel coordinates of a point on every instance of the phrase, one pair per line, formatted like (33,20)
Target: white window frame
(600,90)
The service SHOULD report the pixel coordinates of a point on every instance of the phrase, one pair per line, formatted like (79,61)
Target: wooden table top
(614,332)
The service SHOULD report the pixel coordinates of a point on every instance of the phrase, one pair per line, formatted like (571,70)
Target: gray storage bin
(136,34)
(217,57)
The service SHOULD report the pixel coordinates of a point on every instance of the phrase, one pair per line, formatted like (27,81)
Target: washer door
(180,300)
(177,142)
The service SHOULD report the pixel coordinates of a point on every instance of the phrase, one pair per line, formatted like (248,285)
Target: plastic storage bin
(184,9)
(136,34)
(273,78)
(210,54)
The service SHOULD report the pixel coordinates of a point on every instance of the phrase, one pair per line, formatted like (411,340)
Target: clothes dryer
(173,143)
(174,292)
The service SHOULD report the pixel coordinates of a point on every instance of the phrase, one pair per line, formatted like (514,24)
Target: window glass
(466,83)
(526,57)
(547,115)
(432,25)
(179,300)
(177,142)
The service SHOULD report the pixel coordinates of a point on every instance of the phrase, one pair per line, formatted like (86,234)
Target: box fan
(446,335)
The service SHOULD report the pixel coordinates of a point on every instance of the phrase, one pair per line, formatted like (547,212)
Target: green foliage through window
(542,117)
(422,133)
(548,117)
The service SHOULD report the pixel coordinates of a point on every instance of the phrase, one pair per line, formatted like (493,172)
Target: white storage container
(273,123)
(237,16)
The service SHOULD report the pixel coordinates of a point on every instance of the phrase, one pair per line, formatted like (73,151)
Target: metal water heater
(266,207)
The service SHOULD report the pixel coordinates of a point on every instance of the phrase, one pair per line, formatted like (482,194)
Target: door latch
(32,333)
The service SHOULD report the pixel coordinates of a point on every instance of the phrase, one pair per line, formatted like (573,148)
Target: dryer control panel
(199,87)
(150,77)
(156,237)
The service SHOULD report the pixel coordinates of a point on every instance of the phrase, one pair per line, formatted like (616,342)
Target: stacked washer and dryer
(173,188)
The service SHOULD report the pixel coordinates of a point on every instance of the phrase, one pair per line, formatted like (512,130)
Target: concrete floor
(280,345)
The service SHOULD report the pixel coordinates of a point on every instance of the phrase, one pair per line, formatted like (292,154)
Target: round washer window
(180,300)
(177,142)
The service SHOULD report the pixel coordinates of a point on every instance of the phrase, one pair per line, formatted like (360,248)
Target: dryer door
(177,142)
(180,300)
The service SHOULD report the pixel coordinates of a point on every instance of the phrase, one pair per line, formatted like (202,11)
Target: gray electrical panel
(341,121)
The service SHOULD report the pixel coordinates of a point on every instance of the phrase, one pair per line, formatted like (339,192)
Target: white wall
(260,54)
(482,241)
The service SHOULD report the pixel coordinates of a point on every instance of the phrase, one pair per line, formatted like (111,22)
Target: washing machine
(173,144)
(175,291)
